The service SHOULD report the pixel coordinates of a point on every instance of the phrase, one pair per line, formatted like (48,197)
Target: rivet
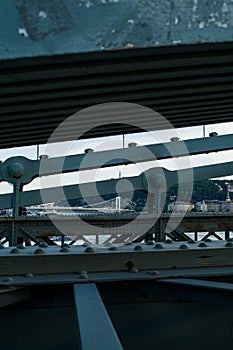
(43,245)
(20,246)
(153,273)
(64,250)
(8,279)
(183,246)
(150,242)
(138,247)
(14,251)
(202,245)
(112,248)
(39,251)
(83,274)
(159,246)
(29,275)
(191,241)
(169,241)
(133,270)
(208,240)
(128,243)
(229,244)
(89,250)
(65,245)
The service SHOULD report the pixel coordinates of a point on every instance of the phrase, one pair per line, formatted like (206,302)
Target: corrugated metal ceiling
(189,85)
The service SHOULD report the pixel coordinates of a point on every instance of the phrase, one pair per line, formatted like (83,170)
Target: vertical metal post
(16,197)
(37,152)
(15,210)
(203,130)
(196,236)
(12,238)
(150,201)
(227,235)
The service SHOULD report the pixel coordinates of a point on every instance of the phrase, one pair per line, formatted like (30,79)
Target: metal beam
(92,160)
(195,283)
(9,296)
(95,326)
(144,257)
(144,182)
(200,290)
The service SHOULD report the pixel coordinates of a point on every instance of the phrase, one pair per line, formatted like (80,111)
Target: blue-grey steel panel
(91,160)
(95,327)
(143,182)
(45,28)
(58,57)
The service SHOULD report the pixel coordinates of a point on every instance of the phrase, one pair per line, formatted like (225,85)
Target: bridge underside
(188,84)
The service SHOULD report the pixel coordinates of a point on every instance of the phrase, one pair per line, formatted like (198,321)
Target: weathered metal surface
(71,63)
(94,334)
(36,260)
(28,169)
(44,28)
(30,279)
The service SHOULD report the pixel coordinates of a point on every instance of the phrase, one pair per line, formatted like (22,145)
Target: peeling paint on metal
(45,17)
(94,25)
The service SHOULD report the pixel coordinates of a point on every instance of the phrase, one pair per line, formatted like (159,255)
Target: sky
(100,144)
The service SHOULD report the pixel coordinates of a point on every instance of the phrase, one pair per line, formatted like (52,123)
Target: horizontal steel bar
(84,276)
(194,283)
(116,157)
(144,182)
(96,259)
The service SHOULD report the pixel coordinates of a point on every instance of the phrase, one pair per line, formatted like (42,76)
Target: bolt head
(138,247)
(14,251)
(64,250)
(159,246)
(153,273)
(183,246)
(89,250)
(16,170)
(229,244)
(202,245)
(112,248)
(133,270)
(43,245)
(39,251)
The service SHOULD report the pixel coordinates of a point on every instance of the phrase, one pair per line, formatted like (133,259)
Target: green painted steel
(59,57)
(27,169)
(56,27)
(147,181)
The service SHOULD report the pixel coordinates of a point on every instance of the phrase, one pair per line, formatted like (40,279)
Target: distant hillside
(205,189)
